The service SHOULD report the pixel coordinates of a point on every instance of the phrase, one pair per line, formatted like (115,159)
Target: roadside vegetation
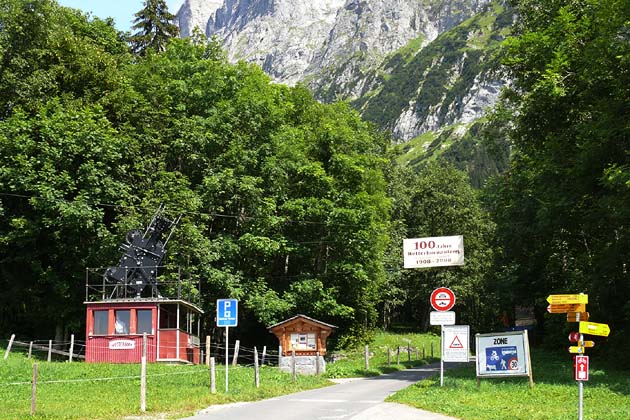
(554,395)
(405,350)
(109,391)
(112,391)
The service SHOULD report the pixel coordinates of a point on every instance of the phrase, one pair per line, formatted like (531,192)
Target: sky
(121,10)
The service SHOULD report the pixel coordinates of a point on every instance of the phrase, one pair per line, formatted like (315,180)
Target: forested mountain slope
(412,68)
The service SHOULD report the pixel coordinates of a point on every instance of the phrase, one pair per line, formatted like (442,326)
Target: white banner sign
(433,252)
(442,318)
(455,340)
(122,345)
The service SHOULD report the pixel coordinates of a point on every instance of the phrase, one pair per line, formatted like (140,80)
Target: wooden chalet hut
(304,338)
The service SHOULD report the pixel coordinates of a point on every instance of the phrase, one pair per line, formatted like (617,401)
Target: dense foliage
(284,200)
(562,207)
(292,206)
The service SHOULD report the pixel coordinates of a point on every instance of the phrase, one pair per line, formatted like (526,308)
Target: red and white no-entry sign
(442,299)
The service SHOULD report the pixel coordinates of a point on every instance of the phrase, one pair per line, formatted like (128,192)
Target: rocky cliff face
(340,47)
(196,14)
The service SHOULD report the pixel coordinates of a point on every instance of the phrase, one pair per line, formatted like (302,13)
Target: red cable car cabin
(115,330)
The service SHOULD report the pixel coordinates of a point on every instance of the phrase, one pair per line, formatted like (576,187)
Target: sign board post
(227,316)
(575,307)
(581,375)
(504,354)
(455,347)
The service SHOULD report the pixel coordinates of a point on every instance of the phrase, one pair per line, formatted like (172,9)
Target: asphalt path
(357,399)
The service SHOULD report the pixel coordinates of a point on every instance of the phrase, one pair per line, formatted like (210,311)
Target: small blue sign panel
(227,312)
(501,358)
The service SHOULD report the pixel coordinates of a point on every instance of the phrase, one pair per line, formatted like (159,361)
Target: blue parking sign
(227,312)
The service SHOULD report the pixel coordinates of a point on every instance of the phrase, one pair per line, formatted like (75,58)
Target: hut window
(101,319)
(123,317)
(145,321)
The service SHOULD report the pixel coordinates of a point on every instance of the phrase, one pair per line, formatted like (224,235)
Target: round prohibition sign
(442,299)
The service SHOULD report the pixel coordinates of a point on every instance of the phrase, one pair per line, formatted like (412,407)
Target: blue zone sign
(501,358)
(503,354)
(227,312)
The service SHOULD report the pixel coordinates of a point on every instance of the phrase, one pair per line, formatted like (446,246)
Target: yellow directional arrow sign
(563,309)
(594,328)
(587,344)
(567,299)
(576,349)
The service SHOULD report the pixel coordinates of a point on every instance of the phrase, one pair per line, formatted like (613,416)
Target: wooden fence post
(293,373)
(318,367)
(213,377)
(207,350)
(6,353)
(431,349)
(236,347)
(34,390)
(367,357)
(264,353)
(71,347)
(30,349)
(49,350)
(143,375)
(398,355)
(256,369)
(409,352)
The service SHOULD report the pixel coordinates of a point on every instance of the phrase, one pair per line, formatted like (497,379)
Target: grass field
(108,391)
(554,395)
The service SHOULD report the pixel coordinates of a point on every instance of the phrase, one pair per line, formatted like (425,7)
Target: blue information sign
(227,312)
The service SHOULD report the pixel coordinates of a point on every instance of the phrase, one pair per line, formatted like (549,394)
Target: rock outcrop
(340,48)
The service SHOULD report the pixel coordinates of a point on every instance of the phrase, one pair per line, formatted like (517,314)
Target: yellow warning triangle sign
(456,344)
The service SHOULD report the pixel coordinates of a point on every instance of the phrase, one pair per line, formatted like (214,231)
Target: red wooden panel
(119,349)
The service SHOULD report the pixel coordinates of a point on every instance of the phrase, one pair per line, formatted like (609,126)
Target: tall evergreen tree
(154,25)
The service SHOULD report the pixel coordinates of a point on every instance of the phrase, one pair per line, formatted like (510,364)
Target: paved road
(360,399)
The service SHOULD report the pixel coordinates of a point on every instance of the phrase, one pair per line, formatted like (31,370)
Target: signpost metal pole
(442,356)
(227,345)
(580,399)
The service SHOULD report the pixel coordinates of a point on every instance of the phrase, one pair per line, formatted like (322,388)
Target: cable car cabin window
(168,316)
(101,321)
(183,318)
(123,319)
(145,321)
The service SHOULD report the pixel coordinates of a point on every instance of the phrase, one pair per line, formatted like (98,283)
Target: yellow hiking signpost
(594,328)
(566,308)
(567,299)
(575,308)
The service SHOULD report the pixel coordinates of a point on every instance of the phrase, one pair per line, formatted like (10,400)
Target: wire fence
(74,350)
(42,351)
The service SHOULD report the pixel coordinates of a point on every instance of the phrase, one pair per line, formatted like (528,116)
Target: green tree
(60,157)
(444,204)
(562,224)
(155,27)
